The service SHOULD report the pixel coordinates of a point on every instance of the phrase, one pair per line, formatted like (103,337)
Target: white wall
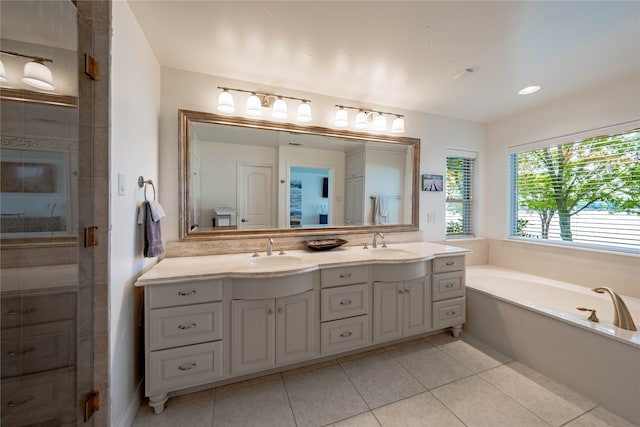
(193,91)
(614,103)
(135,102)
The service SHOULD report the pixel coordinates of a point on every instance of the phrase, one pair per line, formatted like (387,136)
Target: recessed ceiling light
(528,90)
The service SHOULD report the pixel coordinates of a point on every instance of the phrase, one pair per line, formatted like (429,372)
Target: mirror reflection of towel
(380,210)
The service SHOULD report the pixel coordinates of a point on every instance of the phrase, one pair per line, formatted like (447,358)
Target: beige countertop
(296,262)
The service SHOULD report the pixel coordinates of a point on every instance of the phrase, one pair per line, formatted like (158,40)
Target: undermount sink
(274,261)
(389,251)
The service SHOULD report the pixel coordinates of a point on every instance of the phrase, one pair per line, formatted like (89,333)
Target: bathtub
(534,320)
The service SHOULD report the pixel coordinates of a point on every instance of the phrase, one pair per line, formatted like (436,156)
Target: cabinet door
(253,335)
(354,195)
(387,310)
(416,306)
(295,328)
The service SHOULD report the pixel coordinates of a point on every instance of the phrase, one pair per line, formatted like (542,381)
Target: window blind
(460,204)
(584,193)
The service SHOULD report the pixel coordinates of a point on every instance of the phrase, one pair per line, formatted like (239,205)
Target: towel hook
(143,183)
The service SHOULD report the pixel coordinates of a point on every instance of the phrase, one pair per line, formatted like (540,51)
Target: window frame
(468,200)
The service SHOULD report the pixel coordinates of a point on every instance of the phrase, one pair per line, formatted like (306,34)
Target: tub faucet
(375,239)
(622,317)
(269,246)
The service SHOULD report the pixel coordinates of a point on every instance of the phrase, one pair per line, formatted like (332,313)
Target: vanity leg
(455,331)
(157,402)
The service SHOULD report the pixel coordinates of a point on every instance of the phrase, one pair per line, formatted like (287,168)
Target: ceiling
(403,54)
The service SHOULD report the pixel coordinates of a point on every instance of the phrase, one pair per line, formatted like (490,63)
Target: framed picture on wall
(432,182)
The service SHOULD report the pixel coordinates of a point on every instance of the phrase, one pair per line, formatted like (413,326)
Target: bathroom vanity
(210,319)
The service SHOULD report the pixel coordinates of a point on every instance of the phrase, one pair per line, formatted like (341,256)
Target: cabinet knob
(346,334)
(189,326)
(279,309)
(270,311)
(345,302)
(400,291)
(187,293)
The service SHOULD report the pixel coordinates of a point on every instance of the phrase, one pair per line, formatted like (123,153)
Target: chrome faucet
(269,246)
(622,317)
(375,239)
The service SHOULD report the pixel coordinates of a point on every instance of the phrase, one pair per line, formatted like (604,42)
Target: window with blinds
(460,204)
(584,193)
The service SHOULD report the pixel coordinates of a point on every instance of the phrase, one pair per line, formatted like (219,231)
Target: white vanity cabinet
(448,292)
(183,337)
(401,307)
(344,309)
(270,332)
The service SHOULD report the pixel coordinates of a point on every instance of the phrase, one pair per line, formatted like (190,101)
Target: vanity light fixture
(35,74)
(529,90)
(225,102)
(342,118)
(369,119)
(3,73)
(259,100)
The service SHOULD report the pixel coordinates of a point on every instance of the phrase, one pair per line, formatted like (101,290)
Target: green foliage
(568,178)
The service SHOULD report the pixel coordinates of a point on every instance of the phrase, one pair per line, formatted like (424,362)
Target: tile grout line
(286,391)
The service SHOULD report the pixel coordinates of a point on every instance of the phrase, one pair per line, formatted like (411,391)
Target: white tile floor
(434,381)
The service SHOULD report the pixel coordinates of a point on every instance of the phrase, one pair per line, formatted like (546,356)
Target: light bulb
(254,105)
(398,125)
(304,112)
(361,121)
(279,109)
(342,118)
(38,75)
(380,123)
(225,102)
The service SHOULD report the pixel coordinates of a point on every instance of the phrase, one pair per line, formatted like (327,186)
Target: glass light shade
(380,123)
(398,125)
(225,102)
(304,112)
(279,109)
(38,75)
(254,105)
(361,121)
(3,73)
(529,90)
(342,118)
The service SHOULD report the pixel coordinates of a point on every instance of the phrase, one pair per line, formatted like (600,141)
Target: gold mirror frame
(185,117)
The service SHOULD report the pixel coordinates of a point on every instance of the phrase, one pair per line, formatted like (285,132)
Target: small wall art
(432,182)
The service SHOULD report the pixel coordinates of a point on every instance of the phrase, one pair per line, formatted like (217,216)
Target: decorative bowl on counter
(324,244)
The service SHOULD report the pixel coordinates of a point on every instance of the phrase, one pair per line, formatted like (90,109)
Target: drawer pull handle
(11,313)
(189,326)
(188,367)
(187,293)
(450,313)
(346,302)
(346,334)
(449,285)
(12,404)
(25,351)
(345,275)
(451,263)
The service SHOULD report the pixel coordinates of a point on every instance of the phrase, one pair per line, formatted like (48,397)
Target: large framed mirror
(244,177)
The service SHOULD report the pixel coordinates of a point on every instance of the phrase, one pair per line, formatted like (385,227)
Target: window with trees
(460,201)
(585,193)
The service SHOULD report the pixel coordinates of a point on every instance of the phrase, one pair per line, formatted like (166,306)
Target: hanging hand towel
(156,211)
(152,238)
(380,210)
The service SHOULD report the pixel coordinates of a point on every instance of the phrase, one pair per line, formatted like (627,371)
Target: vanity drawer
(175,326)
(345,334)
(448,263)
(184,293)
(343,276)
(448,285)
(34,309)
(181,367)
(344,301)
(448,312)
